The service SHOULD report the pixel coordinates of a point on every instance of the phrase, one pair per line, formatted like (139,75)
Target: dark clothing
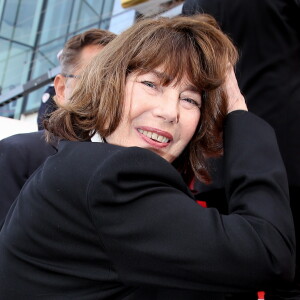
(47,106)
(267,34)
(99,221)
(20,156)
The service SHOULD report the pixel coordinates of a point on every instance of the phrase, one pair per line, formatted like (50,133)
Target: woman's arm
(157,235)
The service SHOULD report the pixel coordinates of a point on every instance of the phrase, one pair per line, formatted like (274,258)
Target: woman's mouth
(154,136)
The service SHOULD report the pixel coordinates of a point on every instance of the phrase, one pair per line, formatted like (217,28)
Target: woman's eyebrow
(192,88)
(161,75)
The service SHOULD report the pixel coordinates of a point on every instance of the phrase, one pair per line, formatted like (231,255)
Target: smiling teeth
(154,136)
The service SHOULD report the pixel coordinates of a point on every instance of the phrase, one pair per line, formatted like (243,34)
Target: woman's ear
(60,86)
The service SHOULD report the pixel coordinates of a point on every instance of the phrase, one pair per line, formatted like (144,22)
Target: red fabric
(202,203)
(191,187)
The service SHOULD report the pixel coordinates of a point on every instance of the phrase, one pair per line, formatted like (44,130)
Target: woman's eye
(190,103)
(149,84)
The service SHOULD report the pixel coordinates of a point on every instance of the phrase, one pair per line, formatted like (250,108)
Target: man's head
(76,54)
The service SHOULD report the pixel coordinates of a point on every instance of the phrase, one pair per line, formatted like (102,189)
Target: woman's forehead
(160,74)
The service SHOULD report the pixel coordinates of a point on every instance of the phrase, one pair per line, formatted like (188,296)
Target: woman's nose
(167,108)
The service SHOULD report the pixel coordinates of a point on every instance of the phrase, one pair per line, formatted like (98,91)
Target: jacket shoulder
(135,164)
(25,140)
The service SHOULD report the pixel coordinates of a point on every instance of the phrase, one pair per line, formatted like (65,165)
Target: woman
(116,221)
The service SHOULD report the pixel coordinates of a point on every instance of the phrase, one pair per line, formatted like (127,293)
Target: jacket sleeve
(156,234)
(13,173)
(20,156)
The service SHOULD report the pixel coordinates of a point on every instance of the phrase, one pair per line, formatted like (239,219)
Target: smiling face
(161,118)
(157,114)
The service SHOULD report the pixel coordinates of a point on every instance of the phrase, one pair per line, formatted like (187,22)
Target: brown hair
(69,57)
(192,46)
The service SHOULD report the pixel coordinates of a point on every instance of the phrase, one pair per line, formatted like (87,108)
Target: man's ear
(60,85)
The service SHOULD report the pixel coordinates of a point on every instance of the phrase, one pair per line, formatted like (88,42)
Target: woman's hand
(236,100)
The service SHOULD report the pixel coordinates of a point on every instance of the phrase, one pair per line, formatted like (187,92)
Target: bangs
(180,55)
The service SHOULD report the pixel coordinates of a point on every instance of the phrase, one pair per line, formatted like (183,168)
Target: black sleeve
(20,156)
(13,173)
(156,234)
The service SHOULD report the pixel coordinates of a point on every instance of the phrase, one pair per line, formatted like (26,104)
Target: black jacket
(267,35)
(98,221)
(20,156)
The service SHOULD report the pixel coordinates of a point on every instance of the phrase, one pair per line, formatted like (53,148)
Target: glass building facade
(32,32)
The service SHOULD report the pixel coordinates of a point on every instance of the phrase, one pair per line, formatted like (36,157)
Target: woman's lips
(155,137)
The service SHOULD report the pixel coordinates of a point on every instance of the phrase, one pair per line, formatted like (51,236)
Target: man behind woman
(22,154)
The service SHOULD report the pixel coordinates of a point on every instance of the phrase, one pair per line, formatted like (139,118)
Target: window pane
(8,110)
(8,18)
(83,16)
(16,66)
(4,51)
(34,99)
(25,54)
(1,8)
(27,22)
(20,20)
(97,4)
(46,58)
(107,10)
(56,21)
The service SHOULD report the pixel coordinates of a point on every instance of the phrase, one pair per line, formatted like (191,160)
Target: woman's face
(160,118)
